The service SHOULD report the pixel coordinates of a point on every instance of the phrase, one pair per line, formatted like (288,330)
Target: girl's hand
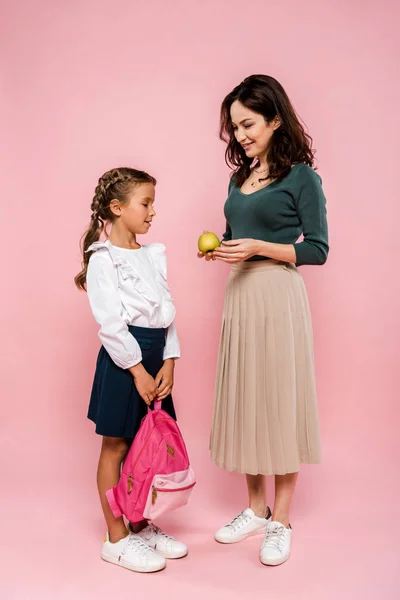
(145,383)
(165,379)
(236,251)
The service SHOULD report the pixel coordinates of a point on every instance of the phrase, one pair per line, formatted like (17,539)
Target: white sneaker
(242,526)
(162,543)
(133,554)
(275,548)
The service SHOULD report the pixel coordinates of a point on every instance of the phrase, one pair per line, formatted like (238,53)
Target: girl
(130,300)
(265,415)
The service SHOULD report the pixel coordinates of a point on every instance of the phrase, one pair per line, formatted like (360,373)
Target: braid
(113,177)
(104,193)
(114,184)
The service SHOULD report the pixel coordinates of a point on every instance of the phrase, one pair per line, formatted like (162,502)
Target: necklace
(254,183)
(259,180)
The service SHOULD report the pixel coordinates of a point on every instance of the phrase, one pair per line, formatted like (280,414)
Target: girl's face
(136,214)
(251,130)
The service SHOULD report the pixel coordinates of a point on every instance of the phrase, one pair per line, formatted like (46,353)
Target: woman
(265,414)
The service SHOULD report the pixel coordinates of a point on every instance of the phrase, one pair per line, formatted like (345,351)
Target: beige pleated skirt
(265,412)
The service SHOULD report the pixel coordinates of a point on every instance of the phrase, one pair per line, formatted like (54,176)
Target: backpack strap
(157,405)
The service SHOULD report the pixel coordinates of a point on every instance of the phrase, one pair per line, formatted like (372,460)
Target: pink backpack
(156,475)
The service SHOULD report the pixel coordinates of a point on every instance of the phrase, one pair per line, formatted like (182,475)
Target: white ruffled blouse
(129,287)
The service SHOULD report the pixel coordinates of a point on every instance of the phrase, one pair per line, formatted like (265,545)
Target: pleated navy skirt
(115,405)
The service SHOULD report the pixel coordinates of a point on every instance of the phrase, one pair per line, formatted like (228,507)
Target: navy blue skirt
(115,405)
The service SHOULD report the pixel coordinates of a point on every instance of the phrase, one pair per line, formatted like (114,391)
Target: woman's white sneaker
(164,544)
(133,554)
(245,524)
(275,548)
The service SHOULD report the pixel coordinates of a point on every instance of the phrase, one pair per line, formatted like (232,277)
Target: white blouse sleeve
(102,290)
(172,348)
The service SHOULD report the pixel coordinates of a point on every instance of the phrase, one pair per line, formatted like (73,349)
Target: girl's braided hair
(115,184)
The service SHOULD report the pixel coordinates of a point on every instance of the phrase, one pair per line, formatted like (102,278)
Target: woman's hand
(165,379)
(236,251)
(209,255)
(145,383)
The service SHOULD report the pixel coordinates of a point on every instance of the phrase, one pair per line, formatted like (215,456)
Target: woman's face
(251,130)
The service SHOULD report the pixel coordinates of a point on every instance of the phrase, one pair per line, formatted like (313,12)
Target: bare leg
(113,452)
(284,488)
(256,485)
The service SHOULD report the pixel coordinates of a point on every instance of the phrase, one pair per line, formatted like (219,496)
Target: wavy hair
(289,144)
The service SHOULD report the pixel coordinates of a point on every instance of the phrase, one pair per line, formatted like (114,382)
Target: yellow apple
(208,242)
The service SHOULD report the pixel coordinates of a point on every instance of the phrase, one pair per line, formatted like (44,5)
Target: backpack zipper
(154,491)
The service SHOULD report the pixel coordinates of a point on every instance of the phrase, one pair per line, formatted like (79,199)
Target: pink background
(87,86)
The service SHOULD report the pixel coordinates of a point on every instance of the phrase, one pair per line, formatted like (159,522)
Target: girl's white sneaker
(131,553)
(162,543)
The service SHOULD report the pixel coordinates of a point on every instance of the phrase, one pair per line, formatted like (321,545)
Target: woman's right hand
(209,255)
(145,383)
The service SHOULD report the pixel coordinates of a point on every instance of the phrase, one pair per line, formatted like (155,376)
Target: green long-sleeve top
(280,213)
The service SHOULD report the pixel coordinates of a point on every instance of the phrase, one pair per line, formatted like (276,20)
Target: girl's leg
(256,485)
(284,488)
(113,452)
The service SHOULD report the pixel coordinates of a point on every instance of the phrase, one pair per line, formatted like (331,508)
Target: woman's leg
(256,485)
(284,488)
(113,452)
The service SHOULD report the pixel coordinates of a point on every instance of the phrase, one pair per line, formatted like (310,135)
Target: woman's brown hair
(290,144)
(115,184)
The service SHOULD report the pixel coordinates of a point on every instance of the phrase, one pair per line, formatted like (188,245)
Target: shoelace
(238,521)
(158,531)
(136,544)
(163,534)
(275,537)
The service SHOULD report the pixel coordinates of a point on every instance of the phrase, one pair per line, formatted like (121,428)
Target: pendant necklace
(254,183)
